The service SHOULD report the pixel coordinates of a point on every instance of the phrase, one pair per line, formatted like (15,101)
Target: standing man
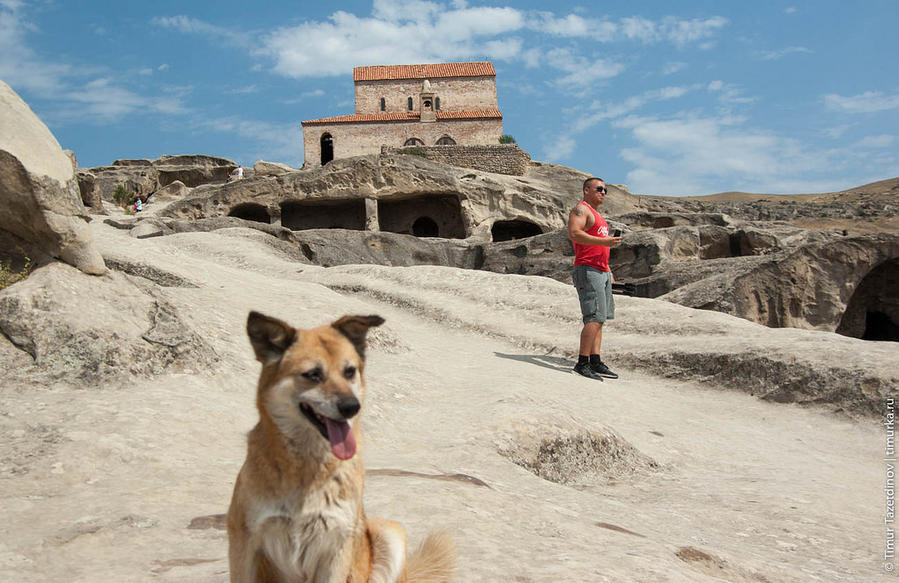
(592,277)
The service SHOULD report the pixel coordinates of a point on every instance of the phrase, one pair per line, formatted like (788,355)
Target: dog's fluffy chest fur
(304,536)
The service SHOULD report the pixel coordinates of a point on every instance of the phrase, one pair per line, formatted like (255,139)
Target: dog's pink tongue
(343,444)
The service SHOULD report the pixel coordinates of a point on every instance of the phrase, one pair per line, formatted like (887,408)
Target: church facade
(409,105)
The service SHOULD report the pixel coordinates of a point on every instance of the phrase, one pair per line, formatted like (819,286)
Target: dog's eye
(315,375)
(349,372)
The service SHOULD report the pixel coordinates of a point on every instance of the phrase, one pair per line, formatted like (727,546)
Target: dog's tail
(434,561)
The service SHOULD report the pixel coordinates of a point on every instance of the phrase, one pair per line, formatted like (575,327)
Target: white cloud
(580,72)
(881,141)
(75,96)
(103,99)
(779,54)
(674,67)
(247,89)
(428,35)
(20,67)
(671,29)
(561,148)
(275,142)
(728,93)
(837,131)
(190,25)
(867,102)
(606,111)
(436,31)
(691,154)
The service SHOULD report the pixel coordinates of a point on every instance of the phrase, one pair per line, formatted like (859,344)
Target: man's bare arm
(577,225)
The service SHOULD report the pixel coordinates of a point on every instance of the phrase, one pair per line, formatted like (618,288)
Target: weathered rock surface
(471,409)
(808,286)
(39,197)
(144,178)
(708,260)
(173,191)
(401,194)
(81,330)
(263,168)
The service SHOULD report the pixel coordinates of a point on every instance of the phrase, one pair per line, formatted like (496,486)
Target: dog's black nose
(348,406)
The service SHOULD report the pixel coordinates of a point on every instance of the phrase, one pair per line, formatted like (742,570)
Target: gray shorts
(594,289)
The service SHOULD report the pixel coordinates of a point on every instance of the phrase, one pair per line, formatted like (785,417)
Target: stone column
(371,215)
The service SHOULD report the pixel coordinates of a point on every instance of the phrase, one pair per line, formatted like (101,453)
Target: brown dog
(296,514)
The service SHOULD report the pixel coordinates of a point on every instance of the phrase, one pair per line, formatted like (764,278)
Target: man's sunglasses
(600,189)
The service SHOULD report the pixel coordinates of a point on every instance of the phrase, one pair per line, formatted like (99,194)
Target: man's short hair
(591,179)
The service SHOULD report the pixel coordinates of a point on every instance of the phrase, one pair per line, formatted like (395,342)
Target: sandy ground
(669,480)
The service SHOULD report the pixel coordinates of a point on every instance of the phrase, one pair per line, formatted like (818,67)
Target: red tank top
(595,256)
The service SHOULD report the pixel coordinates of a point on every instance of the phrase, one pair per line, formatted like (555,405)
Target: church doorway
(327,148)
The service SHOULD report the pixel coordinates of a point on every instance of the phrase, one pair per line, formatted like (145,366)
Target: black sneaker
(585,370)
(602,370)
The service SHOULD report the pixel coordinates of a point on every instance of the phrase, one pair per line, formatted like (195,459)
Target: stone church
(410,105)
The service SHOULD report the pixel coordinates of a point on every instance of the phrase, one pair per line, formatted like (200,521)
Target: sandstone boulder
(263,168)
(144,178)
(90,192)
(102,328)
(172,191)
(39,196)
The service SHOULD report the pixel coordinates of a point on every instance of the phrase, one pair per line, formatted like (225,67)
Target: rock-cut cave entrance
(298,215)
(873,310)
(423,216)
(251,212)
(509,230)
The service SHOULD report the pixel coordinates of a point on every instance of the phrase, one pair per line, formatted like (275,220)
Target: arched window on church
(414,142)
(383,104)
(446,141)
(409,104)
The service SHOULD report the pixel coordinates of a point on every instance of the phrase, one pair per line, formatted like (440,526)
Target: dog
(296,514)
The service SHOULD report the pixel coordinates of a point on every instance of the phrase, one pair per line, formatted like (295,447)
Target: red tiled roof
(436,70)
(471,114)
(405,116)
(364,117)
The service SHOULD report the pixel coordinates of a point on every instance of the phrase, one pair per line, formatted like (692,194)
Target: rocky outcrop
(172,191)
(400,194)
(808,286)
(101,329)
(143,178)
(263,168)
(90,192)
(39,198)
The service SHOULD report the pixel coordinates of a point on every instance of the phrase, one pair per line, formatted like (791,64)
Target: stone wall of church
(500,159)
(455,93)
(357,139)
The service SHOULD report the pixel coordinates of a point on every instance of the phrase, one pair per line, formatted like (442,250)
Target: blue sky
(671,98)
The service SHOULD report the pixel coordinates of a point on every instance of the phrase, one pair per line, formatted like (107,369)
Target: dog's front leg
(243,561)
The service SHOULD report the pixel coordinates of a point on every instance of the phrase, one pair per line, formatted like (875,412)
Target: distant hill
(886,190)
(871,207)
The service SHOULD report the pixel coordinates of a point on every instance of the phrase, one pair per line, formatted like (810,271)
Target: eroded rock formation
(39,199)
(400,194)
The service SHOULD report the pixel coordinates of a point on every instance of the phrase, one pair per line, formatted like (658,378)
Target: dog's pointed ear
(269,336)
(355,329)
